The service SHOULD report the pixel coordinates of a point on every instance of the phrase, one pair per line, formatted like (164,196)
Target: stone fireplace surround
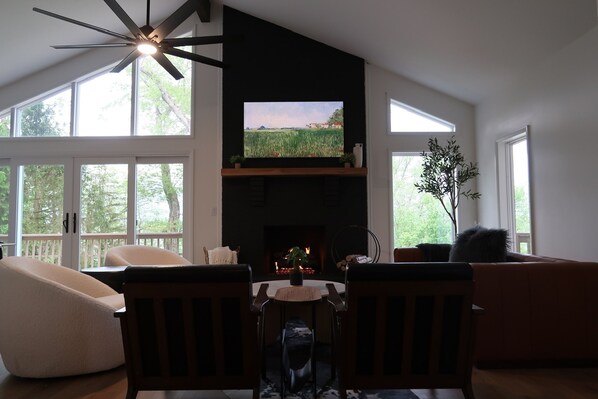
(264,215)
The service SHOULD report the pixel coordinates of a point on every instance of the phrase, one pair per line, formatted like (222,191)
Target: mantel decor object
(237,160)
(358,153)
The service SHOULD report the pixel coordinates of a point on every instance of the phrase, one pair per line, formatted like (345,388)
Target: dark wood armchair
(405,326)
(191,328)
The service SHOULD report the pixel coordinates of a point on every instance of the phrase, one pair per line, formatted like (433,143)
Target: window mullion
(134,96)
(74,131)
(13,122)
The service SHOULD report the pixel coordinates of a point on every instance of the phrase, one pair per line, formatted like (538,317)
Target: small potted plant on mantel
(237,160)
(297,258)
(348,158)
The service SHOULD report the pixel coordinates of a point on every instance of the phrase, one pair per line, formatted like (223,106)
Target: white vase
(358,152)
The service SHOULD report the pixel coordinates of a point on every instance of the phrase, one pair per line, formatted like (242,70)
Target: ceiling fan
(150,41)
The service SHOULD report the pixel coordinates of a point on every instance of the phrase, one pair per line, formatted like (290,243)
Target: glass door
(127,201)
(42,216)
(71,211)
(102,201)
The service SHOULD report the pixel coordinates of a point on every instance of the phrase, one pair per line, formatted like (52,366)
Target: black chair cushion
(195,273)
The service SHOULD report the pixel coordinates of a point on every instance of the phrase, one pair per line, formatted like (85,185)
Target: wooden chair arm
(260,299)
(477,310)
(121,312)
(335,299)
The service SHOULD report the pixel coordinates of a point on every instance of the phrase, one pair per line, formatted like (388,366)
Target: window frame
(505,178)
(15,111)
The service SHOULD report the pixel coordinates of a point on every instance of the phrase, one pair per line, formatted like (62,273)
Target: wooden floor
(568,383)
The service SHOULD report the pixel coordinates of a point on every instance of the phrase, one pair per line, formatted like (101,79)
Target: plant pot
(296,278)
(237,166)
(347,164)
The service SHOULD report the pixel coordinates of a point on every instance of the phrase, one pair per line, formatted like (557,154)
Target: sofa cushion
(479,244)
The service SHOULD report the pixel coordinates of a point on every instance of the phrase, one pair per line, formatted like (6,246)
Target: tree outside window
(418,217)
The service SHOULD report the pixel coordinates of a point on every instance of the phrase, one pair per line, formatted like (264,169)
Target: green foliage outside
(293,143)
(103,199)
(418,217)
(159,184)
(43,185)
(165,103)
(4,193)
(522,211)
(5,125)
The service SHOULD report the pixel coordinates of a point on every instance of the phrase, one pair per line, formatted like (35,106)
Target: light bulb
(147,48)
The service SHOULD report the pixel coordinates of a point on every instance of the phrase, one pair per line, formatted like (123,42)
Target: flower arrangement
(297,257)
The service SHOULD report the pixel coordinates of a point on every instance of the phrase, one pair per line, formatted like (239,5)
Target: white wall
(381,84)
(559,100)
(203,147)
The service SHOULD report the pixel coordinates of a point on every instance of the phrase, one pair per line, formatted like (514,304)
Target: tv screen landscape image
(301,129)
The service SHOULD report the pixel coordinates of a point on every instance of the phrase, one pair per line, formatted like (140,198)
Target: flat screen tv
(299,129)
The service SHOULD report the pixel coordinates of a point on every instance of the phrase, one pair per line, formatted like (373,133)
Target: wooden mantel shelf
(246,172)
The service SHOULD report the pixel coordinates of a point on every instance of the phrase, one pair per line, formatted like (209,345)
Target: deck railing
(93,247)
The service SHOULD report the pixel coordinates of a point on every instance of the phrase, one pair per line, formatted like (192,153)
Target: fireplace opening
(278,240)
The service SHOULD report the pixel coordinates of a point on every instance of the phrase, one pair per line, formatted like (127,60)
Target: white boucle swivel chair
(55,321)
(142,255)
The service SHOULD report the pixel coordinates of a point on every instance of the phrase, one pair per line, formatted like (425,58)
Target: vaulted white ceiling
(468,49)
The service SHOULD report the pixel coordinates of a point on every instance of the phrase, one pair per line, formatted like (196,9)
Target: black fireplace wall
(269,63)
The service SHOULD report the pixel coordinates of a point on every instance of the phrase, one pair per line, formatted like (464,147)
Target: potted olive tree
(445,173)
(296,258)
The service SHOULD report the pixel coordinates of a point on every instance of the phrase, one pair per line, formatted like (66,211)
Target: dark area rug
(326,385)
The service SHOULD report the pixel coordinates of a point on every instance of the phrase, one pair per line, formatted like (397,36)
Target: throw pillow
(479,244)
(435,252)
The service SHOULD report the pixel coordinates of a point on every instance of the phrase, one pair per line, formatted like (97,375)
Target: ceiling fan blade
(173,21)
(124,17)
(194,41)
(85,25)
(109,45)
(126,61)
(193,57)
(166,64)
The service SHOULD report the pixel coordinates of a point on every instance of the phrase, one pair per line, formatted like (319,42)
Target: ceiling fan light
(147,48)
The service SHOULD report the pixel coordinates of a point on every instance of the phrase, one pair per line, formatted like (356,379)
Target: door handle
(65,223)
(74,223)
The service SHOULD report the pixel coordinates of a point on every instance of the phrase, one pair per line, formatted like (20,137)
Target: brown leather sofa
(539,311)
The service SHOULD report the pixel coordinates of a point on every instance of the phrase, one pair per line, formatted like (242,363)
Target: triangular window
(406,119)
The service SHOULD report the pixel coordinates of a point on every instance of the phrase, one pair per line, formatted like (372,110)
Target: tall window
(142,100)
(105,105)
(417,217)
(47,117)
(514,190)
(406,119)
(164,106)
